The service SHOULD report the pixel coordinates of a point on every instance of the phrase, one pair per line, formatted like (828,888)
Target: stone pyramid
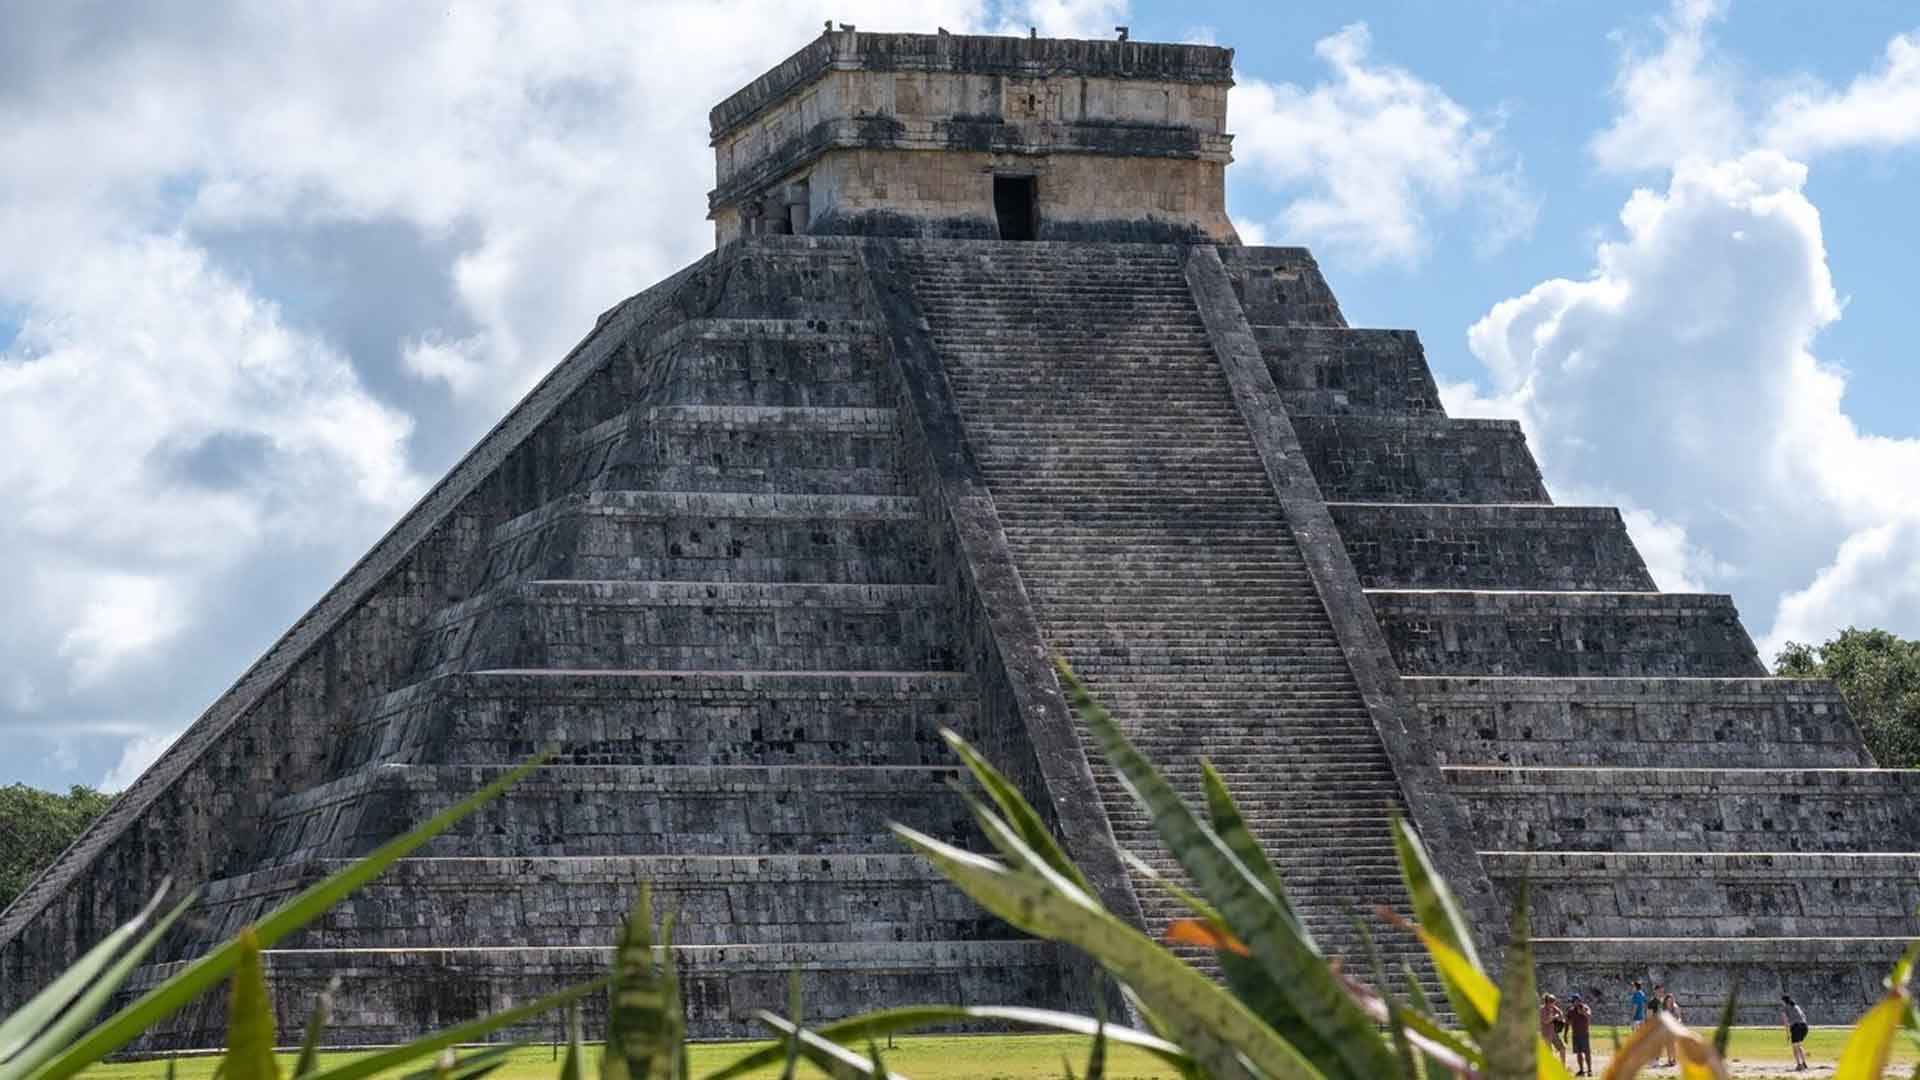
(979,373)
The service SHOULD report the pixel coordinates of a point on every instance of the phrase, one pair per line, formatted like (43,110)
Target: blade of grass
(316,1026)
(57,1040)
(19,1028)
(883,1022)
(829,1057)
(250,1028)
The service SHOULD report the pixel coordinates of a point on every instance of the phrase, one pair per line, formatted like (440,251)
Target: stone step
(1622,634)
(678,625)
(1324,370)
(1726,895)
(714,536)
(666,718)
(1426,545)
(1835,979)
(583,901)
(1669,722)
(1705,810)
(723,986)
(564,810)
(742,448)
(1420,459)
(816,362)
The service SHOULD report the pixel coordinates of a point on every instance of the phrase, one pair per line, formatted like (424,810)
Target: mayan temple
(979,372)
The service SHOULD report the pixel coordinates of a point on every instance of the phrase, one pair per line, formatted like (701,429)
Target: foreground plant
(1286,1011)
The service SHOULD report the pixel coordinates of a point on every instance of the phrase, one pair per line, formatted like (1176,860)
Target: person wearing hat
(1552,1022)
(1580,1025)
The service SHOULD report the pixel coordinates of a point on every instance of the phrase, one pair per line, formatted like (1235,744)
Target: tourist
(1552,1022)
(1795,1022)
(1672,1008)
(1639,1001)
(1579,1024)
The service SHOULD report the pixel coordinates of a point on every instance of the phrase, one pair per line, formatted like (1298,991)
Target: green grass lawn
(1757,1053)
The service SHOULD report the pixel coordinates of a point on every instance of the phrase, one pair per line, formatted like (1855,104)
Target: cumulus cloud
(267,272)
(1878,110)
(1366,156)
(1679,378)
(1676,102)
(140,752)
(1064,18)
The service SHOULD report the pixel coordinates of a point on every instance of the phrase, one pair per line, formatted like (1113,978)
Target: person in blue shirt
(1639,1000)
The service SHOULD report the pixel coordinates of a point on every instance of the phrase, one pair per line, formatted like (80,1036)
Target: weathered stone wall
(1280,286)
(1331,371)
(548,902)
(694,718)
(1467,632)
(1078,197)
(1420,459)
(1638,723)
(1731,810)
(722,985)
(1707,895)
(1436,546)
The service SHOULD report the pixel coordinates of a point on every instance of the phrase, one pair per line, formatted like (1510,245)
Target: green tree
(1879,675)
(37,825)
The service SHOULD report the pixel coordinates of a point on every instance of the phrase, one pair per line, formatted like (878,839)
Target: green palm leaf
(250,1028)
(1208,1022)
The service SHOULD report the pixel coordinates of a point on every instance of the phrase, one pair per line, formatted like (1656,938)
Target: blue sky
(267,274)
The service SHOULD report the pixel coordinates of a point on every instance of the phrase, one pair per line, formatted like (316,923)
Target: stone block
(1505,546)
(1690,810)
(1675,722)
(1420,459)
(1616,634)
(1336,371)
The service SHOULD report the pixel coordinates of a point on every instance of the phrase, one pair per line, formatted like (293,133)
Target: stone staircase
(725,620)
(1680,816)
(1157,559)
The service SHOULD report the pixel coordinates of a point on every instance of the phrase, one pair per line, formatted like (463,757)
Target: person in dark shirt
(1796,1023)
(1580,1023)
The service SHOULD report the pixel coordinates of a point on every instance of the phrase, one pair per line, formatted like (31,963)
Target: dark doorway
(1014,205)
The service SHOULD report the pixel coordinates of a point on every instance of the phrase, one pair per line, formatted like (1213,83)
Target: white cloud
(203,431)
(139,753)
(1873,581)
(1064,18)
(1878,110)
(1366,156)
(1678,379)
(1676,103)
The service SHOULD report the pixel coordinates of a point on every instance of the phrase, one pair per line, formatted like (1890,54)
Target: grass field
(1757,1053)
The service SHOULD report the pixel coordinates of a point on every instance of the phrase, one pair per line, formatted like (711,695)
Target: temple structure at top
(964,136)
